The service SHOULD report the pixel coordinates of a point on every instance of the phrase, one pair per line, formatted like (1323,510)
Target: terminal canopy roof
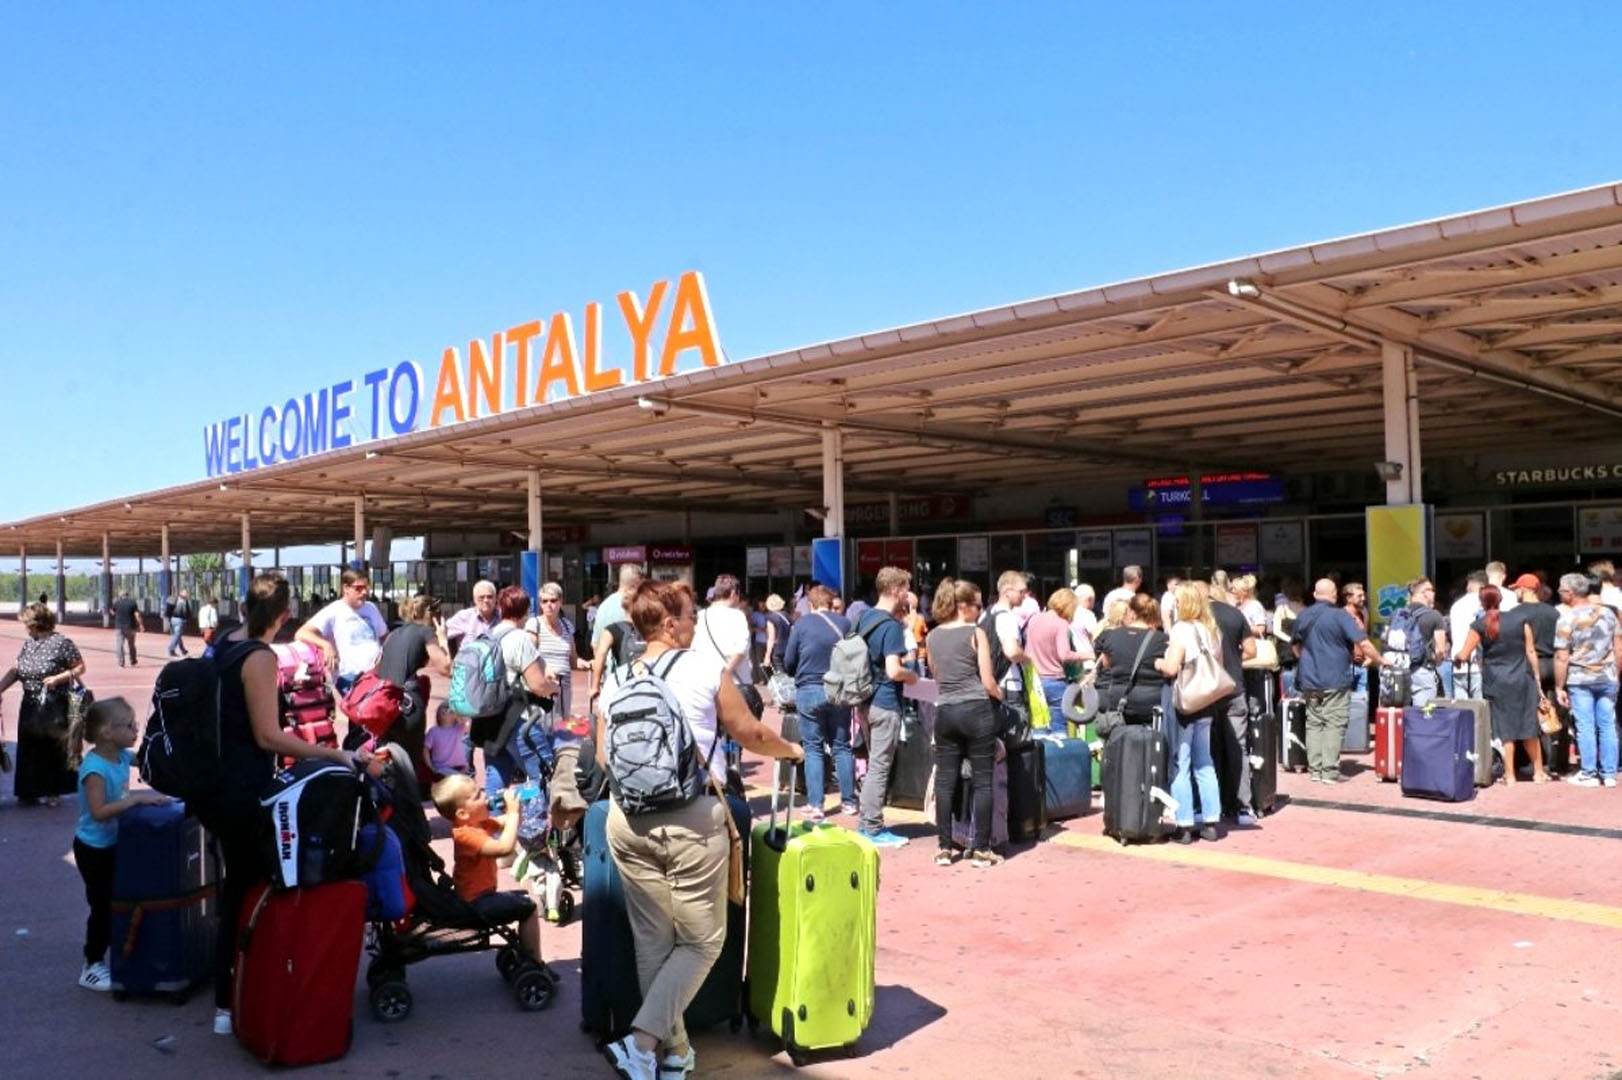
(1514,316)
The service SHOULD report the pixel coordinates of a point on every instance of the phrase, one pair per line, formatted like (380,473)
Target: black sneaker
(1183,836)
(1208,832)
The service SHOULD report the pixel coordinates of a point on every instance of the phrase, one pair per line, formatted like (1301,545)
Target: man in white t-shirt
(1497,572)
(1131,585)
(1464,681)
(349,631)
(723,631)
(1609,595)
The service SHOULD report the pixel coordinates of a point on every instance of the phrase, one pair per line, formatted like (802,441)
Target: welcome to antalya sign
(495,377)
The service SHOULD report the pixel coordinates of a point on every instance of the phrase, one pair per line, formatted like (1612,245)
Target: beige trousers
(674,868)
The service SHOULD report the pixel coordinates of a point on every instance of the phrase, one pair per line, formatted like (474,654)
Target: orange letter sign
(559,360)
(692,305)
(448,391)
(520,336)
(593,379)
(640,324)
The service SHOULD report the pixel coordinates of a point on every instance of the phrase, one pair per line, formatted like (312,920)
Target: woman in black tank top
(251,739)
(965,719)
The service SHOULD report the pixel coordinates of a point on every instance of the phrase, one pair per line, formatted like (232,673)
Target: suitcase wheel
(565,907)
(533,988)
(391,1001)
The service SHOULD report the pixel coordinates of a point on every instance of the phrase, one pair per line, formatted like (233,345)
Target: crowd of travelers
(1530,646)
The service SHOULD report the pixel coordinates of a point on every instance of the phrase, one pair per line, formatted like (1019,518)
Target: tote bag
(1203,680)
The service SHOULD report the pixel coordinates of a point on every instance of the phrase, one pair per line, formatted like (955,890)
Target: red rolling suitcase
(297,954)
(1388,742)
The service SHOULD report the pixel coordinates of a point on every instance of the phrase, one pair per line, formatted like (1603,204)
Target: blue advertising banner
(1216,489)
(828,563)
(529,572)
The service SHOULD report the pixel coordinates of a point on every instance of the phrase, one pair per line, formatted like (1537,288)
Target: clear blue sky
(205,208)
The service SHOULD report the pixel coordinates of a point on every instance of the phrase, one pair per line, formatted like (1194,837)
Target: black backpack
(627,644)
(999,659)
(313,816)
(168,609)
(180,752)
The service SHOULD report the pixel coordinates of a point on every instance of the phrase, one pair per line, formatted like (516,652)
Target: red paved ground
(1065,962)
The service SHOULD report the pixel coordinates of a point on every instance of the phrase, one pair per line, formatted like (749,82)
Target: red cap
(1526,581)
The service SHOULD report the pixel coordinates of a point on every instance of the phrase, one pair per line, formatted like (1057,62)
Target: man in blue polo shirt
(1325,638)
(886,647)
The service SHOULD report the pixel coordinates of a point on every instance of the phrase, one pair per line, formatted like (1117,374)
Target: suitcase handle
(779,840)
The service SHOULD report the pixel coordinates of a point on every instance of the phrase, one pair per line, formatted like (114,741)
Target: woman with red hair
(1509,678)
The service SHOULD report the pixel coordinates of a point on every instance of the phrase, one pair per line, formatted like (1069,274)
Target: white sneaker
(1246,819)
(1607,781)
(96,977)
(222,1022)
(1583,779)
(631,1062)
(677,1068)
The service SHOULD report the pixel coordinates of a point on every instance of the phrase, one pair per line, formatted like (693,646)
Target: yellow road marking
(1514,903)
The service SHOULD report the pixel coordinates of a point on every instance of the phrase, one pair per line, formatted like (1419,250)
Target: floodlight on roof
(225,487)
(653,405)
(370,454)
(1243,288)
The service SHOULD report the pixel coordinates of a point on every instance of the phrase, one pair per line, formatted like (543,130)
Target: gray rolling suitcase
(1356,740)
(1135,781)
(1487,747)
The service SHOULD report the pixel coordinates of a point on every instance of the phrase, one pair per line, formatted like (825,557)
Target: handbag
(1110,719)
(1036,700)
(1266,658)
(780,687)
(1013,725)
(1203,681)
(1549,721)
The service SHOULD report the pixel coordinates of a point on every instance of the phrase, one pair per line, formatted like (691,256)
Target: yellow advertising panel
(1399,551)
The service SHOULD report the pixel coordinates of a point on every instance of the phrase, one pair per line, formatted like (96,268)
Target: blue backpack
(479,684)
(1406,622)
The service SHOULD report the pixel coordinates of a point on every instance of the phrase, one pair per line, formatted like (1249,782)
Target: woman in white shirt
(1195,631)
(673,862)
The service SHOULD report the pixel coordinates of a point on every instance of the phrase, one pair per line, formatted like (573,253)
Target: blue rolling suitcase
(1067,777)
(1438,753)
(164,909)
(609,992)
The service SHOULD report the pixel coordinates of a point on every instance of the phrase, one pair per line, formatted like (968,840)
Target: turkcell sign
(495,377)
(1216,489)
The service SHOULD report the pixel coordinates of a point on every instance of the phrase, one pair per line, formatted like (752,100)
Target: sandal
(946,857)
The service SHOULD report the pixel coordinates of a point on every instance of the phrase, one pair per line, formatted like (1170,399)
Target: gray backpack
(653,761)
(849,679)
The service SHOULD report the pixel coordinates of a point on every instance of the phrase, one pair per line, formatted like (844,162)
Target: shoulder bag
(1110,719)
(1203,681)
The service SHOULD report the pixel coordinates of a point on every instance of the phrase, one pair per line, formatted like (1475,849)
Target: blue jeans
(822,724)
(177,628)
(1053,691)
(1194,751)
(1444,672)
(1594,705)
(521,758)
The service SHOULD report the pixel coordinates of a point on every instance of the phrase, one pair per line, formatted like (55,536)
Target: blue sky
(207,208)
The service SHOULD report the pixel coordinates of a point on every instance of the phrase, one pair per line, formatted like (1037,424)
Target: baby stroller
(549,857)
(439,922)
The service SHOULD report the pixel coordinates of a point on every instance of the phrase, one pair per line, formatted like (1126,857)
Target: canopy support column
(360,529)
(1400,386)
(532,563)
(245,574)
(163,571)
(106,579)
(61,583)
(833,480)
(22,576)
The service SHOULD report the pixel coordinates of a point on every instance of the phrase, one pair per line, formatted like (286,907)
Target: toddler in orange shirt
(478,840)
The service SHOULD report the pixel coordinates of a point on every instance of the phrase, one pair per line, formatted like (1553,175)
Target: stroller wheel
(565,907)
(507,961)
(391,1001)
(533,989)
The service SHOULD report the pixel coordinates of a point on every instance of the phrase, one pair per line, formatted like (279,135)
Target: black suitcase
(609,992)
(1135,782)
(1027,793)
(914,756)
(1293,736)
(1262,745)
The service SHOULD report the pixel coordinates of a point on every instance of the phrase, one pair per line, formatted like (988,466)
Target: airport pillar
(833,480)
(22,577)
(360,529)
(61,584)
(106,580)
(382,541)
(245,572)
(163,570)
(531,562)
(1400,386)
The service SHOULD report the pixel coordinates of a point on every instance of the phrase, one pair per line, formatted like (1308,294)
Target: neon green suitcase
(812,923)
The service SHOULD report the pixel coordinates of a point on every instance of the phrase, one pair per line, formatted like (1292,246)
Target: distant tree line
(79,586)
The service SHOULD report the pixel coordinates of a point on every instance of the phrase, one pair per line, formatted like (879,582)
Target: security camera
(1388,470)
(653,405)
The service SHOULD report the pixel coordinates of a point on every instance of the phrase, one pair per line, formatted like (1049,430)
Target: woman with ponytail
(1509,678)
(251,739)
